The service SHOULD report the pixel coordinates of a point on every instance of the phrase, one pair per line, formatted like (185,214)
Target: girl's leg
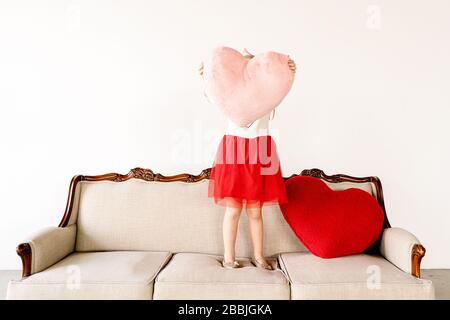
(255,222)
(230,227)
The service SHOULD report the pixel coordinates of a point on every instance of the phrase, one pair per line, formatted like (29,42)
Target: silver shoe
(230,265)
(261,264)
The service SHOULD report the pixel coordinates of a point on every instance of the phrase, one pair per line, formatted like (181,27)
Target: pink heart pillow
(246,89)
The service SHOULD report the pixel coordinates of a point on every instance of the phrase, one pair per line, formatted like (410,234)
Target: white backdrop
(88,87)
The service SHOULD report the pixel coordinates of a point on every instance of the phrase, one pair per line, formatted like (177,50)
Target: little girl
(246,171)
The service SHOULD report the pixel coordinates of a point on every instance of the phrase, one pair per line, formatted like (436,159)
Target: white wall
(88,87)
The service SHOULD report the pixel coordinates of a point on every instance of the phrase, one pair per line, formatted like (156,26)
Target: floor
(5,276)
(441,281)
(440,278)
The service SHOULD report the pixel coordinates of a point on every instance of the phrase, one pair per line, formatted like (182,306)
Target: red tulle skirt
(247,171)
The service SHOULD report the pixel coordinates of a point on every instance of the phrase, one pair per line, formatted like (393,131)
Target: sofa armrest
(45,248)
(402,249)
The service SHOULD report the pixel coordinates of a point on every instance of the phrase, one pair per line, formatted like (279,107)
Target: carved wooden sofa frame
(25,252)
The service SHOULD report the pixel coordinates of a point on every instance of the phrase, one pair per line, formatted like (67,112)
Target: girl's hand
(292,65)
(200,69)
(248,55)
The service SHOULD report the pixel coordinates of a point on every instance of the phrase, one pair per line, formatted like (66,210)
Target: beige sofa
(149,236)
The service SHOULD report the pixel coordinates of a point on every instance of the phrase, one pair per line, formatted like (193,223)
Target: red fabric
(247,171)
(331,223)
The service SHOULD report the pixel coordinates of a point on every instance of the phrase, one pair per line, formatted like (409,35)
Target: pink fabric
(246,89)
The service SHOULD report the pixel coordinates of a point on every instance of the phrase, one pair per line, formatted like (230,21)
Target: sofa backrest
(170,216)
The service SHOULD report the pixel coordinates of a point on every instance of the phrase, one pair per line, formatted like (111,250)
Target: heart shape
(246,89)
(331,223)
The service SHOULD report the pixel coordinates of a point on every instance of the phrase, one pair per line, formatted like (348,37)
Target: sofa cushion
(94,275)
(201,276)
(359,276)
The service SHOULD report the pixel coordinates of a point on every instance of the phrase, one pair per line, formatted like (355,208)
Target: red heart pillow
(331,223)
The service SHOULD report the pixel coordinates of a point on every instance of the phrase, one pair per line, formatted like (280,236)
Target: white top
(258,128)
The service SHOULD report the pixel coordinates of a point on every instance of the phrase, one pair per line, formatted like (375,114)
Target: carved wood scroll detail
(418,252)
(24,252)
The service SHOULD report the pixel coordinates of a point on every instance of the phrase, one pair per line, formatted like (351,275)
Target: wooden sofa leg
(24,252)
(418,252)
